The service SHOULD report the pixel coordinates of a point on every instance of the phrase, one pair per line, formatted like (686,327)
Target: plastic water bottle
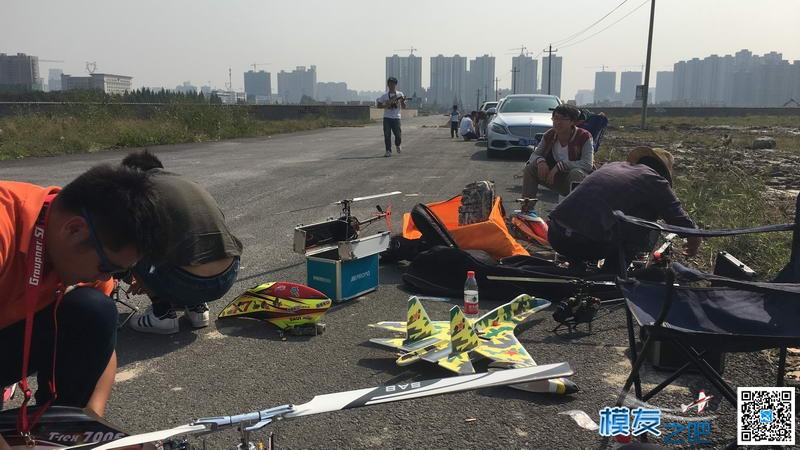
(471,296)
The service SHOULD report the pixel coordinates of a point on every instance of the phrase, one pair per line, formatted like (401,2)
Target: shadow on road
(253,328)
(361,157)
(267,272)
(133,346)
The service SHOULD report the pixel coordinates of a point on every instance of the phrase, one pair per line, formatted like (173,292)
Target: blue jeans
(391,126)
(87,335)
(176,287)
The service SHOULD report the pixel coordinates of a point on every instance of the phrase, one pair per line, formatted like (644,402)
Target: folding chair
(727,315)
(595,124)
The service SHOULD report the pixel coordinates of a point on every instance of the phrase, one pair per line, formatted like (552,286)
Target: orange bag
(491,235)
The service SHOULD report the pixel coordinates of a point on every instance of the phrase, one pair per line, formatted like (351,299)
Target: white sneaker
(387,154)
(198,315)
(147,322)
(399,149)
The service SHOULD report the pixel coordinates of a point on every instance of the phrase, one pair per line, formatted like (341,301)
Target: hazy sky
(165,42)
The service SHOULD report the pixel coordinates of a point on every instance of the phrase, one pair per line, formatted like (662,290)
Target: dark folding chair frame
(656,322)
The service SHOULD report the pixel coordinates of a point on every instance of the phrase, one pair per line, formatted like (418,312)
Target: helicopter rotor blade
(551,280)
(368,197)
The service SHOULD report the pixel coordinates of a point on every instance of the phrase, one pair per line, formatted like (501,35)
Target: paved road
(240,365)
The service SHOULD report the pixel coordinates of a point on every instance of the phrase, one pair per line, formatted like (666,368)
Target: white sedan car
(520,122)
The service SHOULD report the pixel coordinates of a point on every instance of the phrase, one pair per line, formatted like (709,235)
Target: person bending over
(202,255)
(51,240)
(564,156)
(583,228)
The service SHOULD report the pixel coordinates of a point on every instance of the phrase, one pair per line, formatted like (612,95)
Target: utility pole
(647,65)
(550,51)
(496,91)
(514,72)
(477,99)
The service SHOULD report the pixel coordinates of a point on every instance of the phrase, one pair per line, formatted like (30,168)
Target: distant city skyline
(186,40)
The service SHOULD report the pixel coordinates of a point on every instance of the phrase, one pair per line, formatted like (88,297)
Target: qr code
(765,416)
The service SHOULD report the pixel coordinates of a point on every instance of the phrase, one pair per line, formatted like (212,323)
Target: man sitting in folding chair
(729,316)
(583,228)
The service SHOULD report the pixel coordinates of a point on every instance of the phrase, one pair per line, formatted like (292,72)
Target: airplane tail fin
(463,337)
(418,324)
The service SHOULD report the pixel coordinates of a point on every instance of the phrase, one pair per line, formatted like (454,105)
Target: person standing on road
(454,116)
(202,255)
(392,101)
(564,156)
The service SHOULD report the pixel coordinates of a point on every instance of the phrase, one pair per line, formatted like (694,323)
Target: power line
(572,36)
(604,29)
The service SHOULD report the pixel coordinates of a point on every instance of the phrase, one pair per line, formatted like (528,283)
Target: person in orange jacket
(51,241)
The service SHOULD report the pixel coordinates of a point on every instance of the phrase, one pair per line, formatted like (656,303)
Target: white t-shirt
(466,126)
(391,113)
(560,152)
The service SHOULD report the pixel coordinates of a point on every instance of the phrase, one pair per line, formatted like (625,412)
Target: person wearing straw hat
(582,227)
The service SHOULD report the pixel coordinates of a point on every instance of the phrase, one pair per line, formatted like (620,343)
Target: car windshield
(528,105)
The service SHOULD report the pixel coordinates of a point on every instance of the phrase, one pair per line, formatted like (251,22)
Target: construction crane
(522,50)
(258,64)
(410,50)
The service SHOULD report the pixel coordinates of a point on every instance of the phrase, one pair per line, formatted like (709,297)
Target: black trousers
(578,249)
(453,129)
(87,335)
(391,126)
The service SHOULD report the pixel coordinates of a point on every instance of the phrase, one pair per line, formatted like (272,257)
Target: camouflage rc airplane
(454,344)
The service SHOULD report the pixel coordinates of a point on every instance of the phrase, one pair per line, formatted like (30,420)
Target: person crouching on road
(202,255)
(467,127)
(583,227)
(392,101)
(51,241)
(564,156)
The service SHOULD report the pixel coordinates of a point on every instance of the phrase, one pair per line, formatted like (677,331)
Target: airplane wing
(505,348)
(459,363)
(395,327)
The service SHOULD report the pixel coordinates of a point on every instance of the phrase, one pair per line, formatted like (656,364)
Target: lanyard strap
(35,272)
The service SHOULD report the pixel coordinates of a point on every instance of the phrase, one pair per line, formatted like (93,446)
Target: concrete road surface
(266,186)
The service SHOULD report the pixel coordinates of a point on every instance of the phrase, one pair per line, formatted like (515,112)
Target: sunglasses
(106,266)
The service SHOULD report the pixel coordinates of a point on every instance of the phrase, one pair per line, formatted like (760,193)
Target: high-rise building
(335,92)
(551,76)
(524,75)
(663,87)
(294,85)
(584,97)
(54,79)
(19,72)
(408,71)
(605,87)
(480,81)
(448,81)
(743,79)
(258,86)
(627,86)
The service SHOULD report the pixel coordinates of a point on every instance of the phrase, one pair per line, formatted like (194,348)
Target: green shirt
(198,233)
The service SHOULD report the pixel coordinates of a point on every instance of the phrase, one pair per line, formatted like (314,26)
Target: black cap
(391,80)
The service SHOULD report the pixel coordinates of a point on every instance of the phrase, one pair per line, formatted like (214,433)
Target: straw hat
(659,154)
